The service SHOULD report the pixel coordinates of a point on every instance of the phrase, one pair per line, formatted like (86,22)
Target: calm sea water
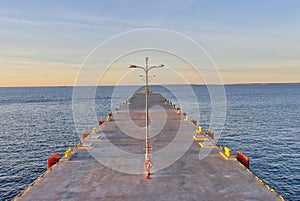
(263,121)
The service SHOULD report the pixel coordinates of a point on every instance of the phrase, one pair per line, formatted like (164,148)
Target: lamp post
(147,69)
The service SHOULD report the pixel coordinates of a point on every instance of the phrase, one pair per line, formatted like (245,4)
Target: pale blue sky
(44,42)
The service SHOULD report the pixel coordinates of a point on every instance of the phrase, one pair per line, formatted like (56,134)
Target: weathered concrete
(82,177)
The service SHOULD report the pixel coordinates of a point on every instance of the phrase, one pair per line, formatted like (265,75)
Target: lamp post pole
(147,157)
(147,69)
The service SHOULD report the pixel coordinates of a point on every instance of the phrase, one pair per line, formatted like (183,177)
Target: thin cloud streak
(241,37)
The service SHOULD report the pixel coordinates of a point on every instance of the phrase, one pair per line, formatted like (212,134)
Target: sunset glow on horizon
(249,42)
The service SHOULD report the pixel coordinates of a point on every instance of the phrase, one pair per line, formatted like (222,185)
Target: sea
(261,120)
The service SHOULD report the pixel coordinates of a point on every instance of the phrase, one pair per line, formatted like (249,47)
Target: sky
(47,43)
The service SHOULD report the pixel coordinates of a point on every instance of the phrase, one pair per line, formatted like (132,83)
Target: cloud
(22,22)
(13,64)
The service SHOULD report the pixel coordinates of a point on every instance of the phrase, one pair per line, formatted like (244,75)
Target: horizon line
(129,85)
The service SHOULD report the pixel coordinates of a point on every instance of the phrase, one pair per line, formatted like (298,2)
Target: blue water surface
(262,121)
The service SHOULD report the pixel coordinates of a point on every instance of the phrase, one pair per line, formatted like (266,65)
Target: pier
(187,165)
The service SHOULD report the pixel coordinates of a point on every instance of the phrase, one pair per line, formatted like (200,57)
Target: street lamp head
(158,66)
(132,66)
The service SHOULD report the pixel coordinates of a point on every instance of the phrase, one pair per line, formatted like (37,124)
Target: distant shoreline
(267,83)
(229,84)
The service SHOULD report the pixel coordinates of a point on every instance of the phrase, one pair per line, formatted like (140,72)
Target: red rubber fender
(211,133)
(243,159)
(100,122)
(84,134)
(194,121)
(53,159)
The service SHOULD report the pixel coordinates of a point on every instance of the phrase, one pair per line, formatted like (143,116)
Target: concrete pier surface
(110,164)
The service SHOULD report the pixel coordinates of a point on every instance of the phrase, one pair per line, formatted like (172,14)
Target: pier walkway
(180,171)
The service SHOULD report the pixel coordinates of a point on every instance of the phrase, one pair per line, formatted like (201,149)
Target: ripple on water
(262,122)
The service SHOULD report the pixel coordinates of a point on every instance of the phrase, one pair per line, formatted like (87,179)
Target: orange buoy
(243,159)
